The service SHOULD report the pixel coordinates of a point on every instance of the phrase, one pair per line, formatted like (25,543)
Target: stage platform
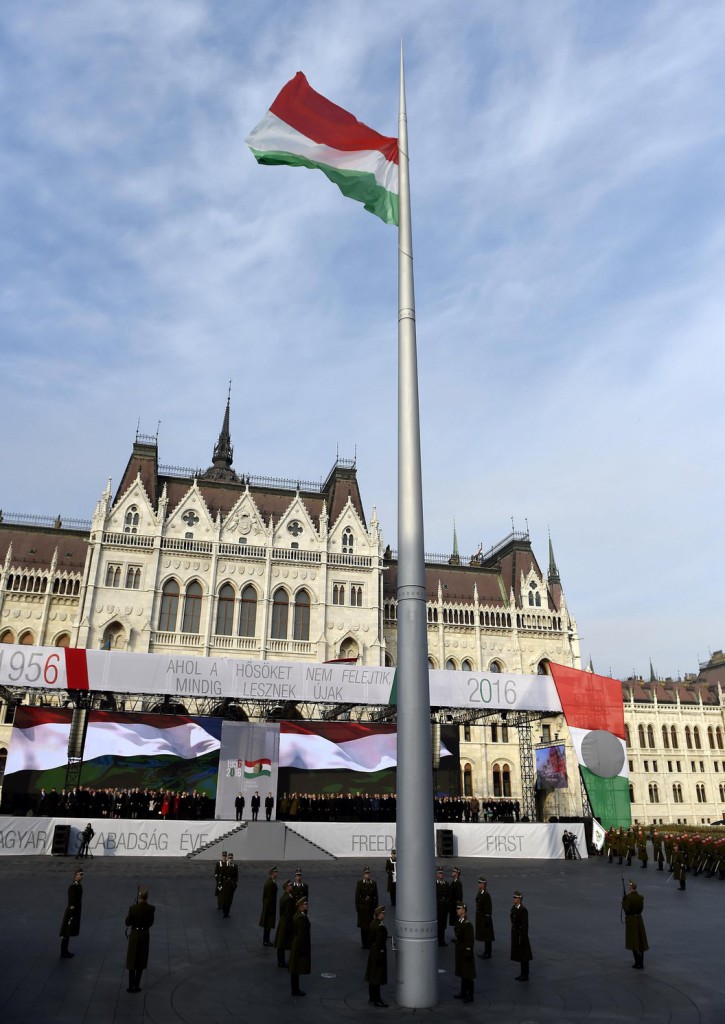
(276,840)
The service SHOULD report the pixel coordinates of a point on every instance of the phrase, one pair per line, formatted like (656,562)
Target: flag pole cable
(416,926)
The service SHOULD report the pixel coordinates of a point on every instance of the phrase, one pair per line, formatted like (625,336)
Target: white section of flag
(577,737)
(46,746)
(39,748)
(273,135)
(598,834)
(371,753)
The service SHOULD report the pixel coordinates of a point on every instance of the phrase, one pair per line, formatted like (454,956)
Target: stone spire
(455,558)
(553,571)
(221,468)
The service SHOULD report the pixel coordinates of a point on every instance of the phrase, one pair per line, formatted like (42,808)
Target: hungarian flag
(352,746)
(594,714)
(303,129)
(122,749)
(253,769)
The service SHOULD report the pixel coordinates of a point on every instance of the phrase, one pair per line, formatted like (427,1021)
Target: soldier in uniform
(71,923)
(366,900)
(268,916)
(678,866)
(300,888)
(300,958)
(219,869)
(287,910)
(230,879)
(520,946)
(484,918)
(441,906)
(465,963)
(391,868)
(455,895)
(642,848)
(657,854)
(139,919)
(635,934)
(376,972)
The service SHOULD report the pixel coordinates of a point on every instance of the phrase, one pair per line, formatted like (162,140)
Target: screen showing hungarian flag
(123,750)
(352,757)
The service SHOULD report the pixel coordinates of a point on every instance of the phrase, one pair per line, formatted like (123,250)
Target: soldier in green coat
(441,906)
(484,918)
(71,923)
(283,935)
(678,866)
(139,919)
(465,963)
(635,934)
(376,972)
(366,899)
(300,958)
(268,917)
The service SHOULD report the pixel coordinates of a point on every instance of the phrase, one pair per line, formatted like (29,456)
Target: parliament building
(215,563)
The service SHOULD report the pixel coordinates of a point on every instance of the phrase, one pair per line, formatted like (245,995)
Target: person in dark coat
(268,806)
(239,806)
(484,919)
(441,906)
(520,947)
(71,923)
(465,963)
(230,880)
(268,917)
(254,804)
(139,919)
(391,870)
(455,895)
(299,888)
(86,835)
(376,972)
(219,869)
(366,900)
(635,934)
(300,957)
(283,935)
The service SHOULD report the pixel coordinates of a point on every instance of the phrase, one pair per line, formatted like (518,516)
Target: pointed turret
(455,558)
(652,675)
(553,571)
(221,468)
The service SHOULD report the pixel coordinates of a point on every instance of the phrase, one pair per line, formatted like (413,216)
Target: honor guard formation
(286,912)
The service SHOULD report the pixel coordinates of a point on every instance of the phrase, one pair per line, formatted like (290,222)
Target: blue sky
(568,186)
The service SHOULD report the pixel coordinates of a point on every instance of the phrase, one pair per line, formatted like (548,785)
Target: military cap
(482,879)
(439,870)
(519,894)
(456,871)
(301,901)
(143,892)
(379,910)
(461,906)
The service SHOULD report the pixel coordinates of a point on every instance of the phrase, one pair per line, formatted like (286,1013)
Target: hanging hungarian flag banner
(303,129)
(594,714)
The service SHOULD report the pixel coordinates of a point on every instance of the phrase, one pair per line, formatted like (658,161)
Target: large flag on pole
(594,714)
(303,129)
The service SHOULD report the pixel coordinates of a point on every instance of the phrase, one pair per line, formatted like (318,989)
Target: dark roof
(33,546)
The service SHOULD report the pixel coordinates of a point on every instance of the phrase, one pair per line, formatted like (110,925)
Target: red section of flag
(589,701)
(337,732)
(76,668)
(322,121)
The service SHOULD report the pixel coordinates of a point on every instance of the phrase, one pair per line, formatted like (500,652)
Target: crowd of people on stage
(168,805)
(381,807)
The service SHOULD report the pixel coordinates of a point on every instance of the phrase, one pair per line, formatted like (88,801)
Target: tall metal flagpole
(415,927)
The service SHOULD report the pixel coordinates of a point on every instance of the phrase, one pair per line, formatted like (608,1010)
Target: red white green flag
(594,714)
(253,769)
(303,129)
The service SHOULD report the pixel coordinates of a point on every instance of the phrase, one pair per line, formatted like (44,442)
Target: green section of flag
(609,798)
(393,698)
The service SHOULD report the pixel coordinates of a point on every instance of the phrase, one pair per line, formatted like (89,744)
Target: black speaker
(61,838)
(444,842)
